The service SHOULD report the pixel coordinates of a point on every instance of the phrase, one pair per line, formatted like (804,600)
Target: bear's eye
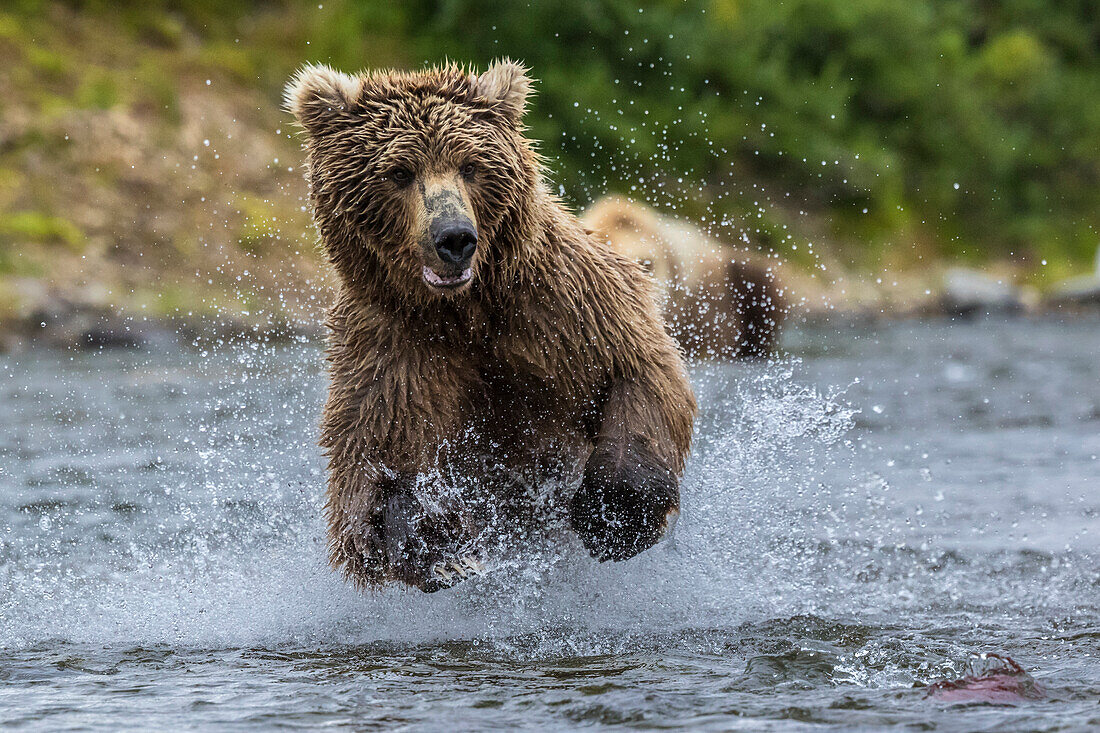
(468,170)
(401,176)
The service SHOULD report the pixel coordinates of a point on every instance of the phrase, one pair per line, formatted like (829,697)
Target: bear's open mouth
(439,281)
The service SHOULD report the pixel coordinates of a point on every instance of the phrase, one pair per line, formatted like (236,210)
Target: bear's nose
(456,243)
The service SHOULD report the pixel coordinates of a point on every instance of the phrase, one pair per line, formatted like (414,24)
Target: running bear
(483,343)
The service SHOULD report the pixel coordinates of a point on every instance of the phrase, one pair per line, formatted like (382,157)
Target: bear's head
(420,181)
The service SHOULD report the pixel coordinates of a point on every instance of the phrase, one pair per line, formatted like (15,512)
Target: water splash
(220,542)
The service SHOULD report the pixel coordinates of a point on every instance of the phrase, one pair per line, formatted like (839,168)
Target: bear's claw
(445,573)
(463,566)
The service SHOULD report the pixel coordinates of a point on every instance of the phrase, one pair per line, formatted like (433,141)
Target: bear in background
(483,345)
(719,301)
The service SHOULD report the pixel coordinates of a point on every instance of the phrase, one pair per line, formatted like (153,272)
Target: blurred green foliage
(976,122)
(958,128)
(37,226)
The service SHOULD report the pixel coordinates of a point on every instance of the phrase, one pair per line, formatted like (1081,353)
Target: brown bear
(483,346)
(719,301)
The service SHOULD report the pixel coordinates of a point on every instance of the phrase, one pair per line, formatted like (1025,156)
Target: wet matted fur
(543,353)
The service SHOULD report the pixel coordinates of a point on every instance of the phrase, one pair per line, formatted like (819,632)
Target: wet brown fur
(719,301)
(555,346)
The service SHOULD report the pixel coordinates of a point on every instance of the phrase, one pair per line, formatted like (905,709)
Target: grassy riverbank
(145,166)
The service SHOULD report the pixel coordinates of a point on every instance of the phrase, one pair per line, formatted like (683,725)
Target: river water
(860,519)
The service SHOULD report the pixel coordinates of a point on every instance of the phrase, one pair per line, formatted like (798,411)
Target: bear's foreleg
(423,547)
(630,494)
(389,403)
(402,538)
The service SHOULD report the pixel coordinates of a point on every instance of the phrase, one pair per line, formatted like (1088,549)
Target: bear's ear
(321,97)
(506,84)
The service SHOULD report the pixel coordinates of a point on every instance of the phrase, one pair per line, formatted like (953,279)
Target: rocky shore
(79,321)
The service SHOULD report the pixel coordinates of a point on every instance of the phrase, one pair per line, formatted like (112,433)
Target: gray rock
(971,293)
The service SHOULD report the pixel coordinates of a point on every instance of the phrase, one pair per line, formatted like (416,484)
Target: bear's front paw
(427,549)
(626,503)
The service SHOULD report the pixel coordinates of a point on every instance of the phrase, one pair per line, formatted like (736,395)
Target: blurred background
(146,168)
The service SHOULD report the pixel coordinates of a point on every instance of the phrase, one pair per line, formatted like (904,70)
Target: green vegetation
(143,136)
(38,227)
(973,126)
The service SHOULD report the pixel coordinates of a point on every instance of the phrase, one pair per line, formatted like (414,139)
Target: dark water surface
(859,521)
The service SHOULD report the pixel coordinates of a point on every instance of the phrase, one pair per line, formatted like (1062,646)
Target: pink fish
(989,678)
